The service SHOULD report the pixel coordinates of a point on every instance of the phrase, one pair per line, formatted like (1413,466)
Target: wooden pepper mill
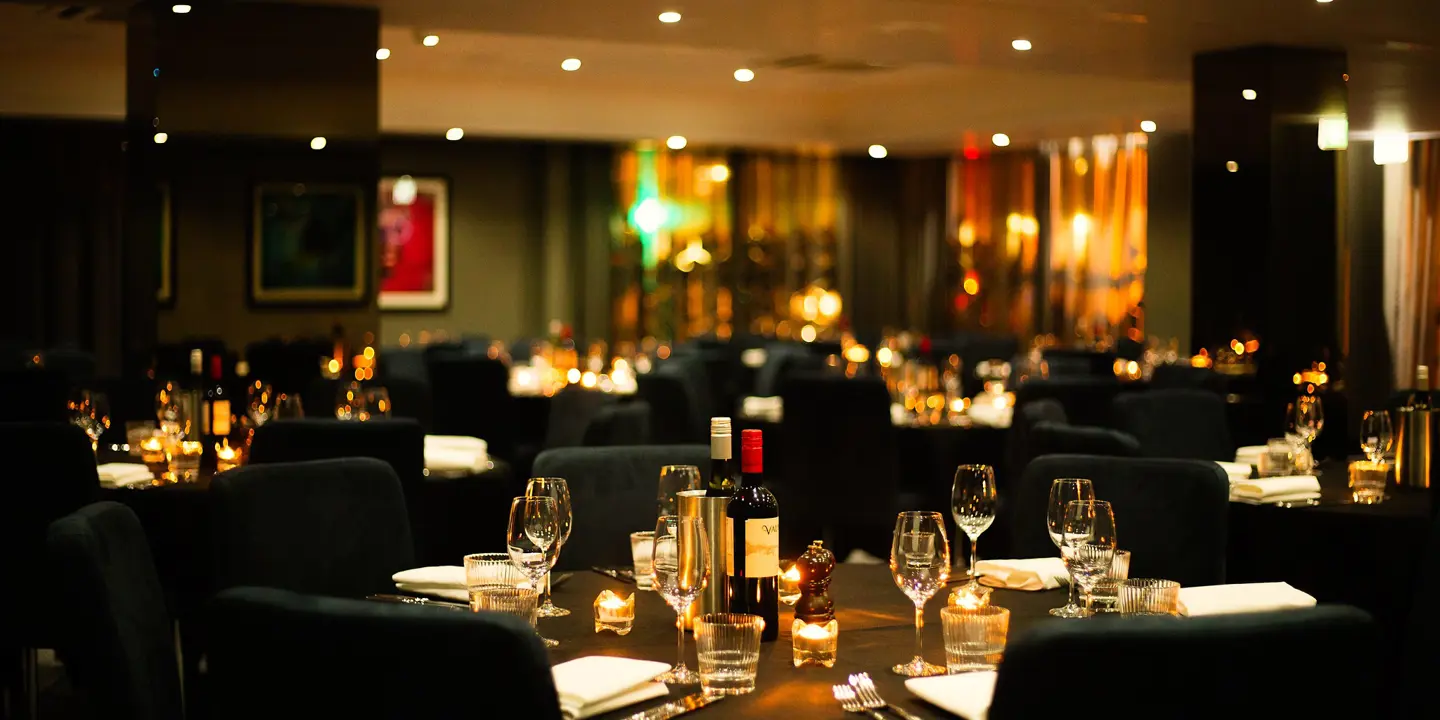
(815,633)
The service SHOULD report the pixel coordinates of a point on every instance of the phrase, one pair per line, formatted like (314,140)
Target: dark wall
(1167,237)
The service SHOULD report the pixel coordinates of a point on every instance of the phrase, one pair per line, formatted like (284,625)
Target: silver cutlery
(409,600)
(870,697)
(621,575)
(850,702)
(678,707)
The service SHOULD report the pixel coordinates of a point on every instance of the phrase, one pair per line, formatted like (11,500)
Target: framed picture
(308,245)
(165,260)
(414,234)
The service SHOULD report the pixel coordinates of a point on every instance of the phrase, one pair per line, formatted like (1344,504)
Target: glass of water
(514,601)
(1107,590)
(729,650)
(1150,597)
(642,553)
(974,639)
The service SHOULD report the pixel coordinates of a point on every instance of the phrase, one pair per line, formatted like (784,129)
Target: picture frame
(165,290)
(308,245)
(413,234)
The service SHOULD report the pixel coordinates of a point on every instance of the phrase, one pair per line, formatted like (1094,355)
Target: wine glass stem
(919,625)
(546,603)
(974,578)
(1072,591)
(680,637)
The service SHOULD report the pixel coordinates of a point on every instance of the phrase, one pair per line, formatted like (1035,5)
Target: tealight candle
(614,613)
(226,457)
(186,464)
(814,643)
(967,598)
(790,585)
(152,452)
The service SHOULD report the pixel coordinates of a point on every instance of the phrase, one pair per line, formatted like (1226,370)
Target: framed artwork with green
(165,259)
(308,245)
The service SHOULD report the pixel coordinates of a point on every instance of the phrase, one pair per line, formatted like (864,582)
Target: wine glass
(1087,544)
(90,412)
(557,489)
(1309,417)
(377,405)
(682,569)
(1062,492)
(262,403)
(533,540)
(920,564)
(288,407)
(1375,434)
(675,479)
(174,423)
(350,402)
(973,503)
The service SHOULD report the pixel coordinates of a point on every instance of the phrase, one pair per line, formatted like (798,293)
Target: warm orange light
(1252,346)
(404,340)
(972,286)
(333,366)
(572,375)
(967,599)
(1296,378)
(1238,347)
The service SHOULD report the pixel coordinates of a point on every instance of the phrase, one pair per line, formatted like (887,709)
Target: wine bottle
(1412,448)
(192,400)
(217,406)
(722,463)
(752,541)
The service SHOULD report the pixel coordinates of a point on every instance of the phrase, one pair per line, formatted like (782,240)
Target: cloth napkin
(1249,454)
(442,581)
(1241,598)
(985,413)
(967,694)
(1275,489)
(1032,574)
(455,453)
(124,475)
(763,408)
(1236,471)
(595,684)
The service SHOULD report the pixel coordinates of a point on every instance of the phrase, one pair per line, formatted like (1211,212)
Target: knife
(555,580)
(408,600)
(621,575)
(678,707)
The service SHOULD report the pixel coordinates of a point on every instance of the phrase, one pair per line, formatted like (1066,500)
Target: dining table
(876,631)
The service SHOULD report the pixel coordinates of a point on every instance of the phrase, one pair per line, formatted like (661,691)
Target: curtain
(1414,292)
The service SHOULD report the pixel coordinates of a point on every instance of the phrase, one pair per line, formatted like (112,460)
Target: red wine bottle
(752,541)
(722,462)
(216,407)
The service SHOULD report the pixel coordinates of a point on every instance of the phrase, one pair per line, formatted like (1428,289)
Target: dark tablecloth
(876,631)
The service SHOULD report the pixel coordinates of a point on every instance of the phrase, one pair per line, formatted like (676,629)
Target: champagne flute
(1062,492)
(920,564)
(1309,417)
(1087,544)
(557,489)
(675,479)
(533,540)
(973,502)
(1376,434)
(262,403)
(682,570)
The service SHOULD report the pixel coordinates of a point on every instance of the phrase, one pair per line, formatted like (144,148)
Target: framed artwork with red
(414,239)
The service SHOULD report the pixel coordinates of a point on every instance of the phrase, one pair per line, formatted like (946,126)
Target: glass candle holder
(152,451)
(614,613)
(1367,482)
(814,643)
(226,457)
(790,585)
(642,546)
(966,597)
(185,463)
(136,433)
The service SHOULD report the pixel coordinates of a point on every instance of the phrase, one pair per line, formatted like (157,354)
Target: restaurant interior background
(886,166)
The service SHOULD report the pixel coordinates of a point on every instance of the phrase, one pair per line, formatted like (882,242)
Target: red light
(972,153)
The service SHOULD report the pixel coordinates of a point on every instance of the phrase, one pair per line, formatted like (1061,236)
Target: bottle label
(720,447)
(220,418)
(762,547)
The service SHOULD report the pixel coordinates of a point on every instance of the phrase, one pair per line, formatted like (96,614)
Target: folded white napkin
(454,453)
(1029,574)
(1276,489)
(1241,598)
(443,581)
(1249,454)
(595,684)
(1236,471)
(754,357)
(967,694)
(121,475)
(763,408)
(987,414)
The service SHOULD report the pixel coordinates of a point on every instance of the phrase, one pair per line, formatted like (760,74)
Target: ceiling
(915,75)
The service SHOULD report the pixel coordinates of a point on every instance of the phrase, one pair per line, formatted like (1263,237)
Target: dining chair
(1418,662)
(1170,514)
(1314,662)
(471,396)
(117,641)
(612,494)
(279,652)
(327,527)
(1179,423)
(1086,398)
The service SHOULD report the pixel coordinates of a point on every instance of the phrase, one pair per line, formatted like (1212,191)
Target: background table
(877,630)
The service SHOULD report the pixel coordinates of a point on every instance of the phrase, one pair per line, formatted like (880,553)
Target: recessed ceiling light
(570,64)
(1392,147)
(160,138)
(744,74)
(1232,166)
(1323,2)
(1020,44)
(670,16)
(676,142)
(317,143)
(1000,140)
(878,151)
(454,134)
(1147,125)
(180,9)
(430,40)
(382,54)
(1248,94)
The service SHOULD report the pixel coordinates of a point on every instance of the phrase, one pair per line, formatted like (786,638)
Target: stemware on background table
(557,489)
(260,403)
(533,539)
(1087,544)
(681,570)
(1062,492)
(90,412)
(675,479)
(920,564)
(974,503)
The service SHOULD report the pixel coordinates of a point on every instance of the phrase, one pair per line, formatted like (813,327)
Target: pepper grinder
(815,634)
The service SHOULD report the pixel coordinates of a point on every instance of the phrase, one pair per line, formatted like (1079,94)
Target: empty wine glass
(1087,544)
(920,564)
(262,403)
(682,570)
(90,412)
(675,479)
(174,423)
(974,504)
(1309,417)
(1062,492)
(1375,434)
(557,489)
(533,540)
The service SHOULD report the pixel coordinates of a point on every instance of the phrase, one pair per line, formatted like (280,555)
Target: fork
(849,702)
(870,697)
